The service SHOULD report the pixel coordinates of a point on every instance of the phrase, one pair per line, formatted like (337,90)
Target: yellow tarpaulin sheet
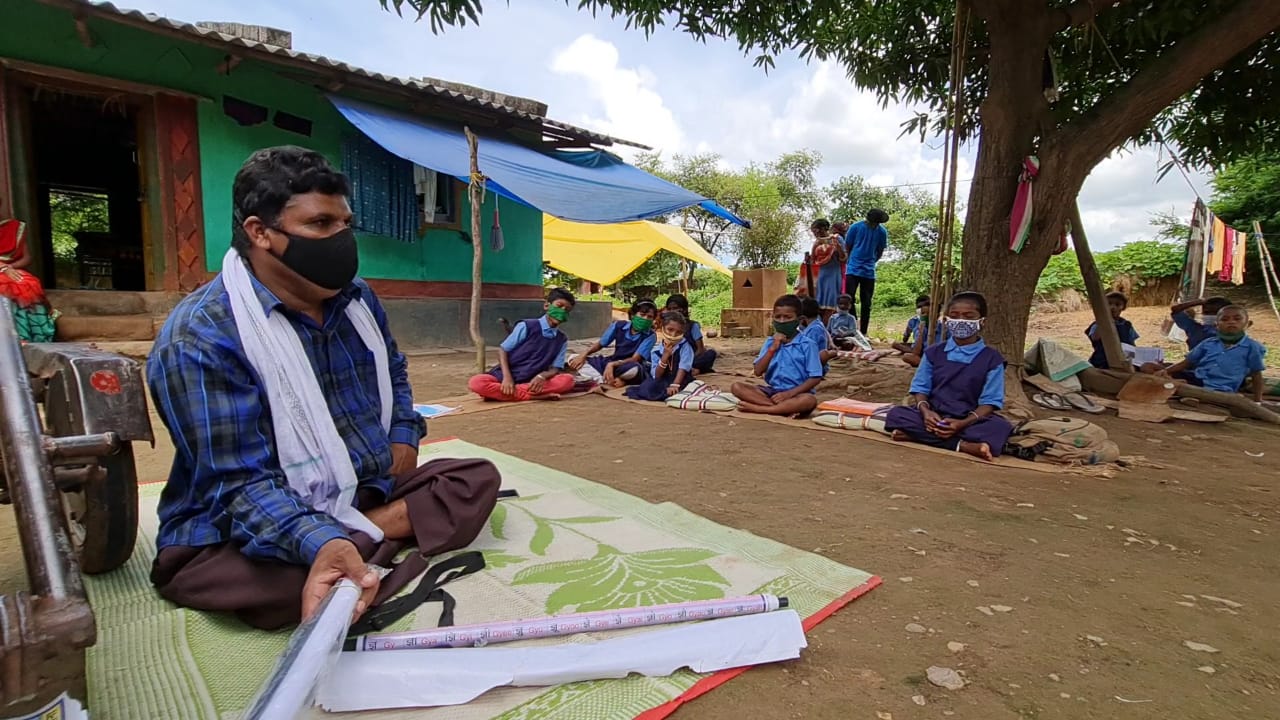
(607,253)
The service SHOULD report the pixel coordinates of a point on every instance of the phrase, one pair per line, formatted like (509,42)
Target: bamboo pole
(1268,268)
(1097,298)
(475,191)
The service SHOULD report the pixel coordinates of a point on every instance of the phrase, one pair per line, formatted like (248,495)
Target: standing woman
(31,312)
(827,257)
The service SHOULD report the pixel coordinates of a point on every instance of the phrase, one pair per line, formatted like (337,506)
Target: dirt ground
(1099,582)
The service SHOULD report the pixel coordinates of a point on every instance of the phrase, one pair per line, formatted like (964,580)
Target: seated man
(790,364)
(292,419)
(532,359)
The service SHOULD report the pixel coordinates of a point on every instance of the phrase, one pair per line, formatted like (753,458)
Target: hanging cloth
(1192,283)
(1228,253)
(1020,218)
(1237,262)
(1216,239)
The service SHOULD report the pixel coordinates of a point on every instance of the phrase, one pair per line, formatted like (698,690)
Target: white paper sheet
(1143,355)
(429,678)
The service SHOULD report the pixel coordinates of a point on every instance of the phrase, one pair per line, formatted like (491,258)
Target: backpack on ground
(1065,440)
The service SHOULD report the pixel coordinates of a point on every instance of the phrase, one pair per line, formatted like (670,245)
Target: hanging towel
(1215,245)
(1228,253)
(311,452)
(1020,218)
(1237,262)
(1193,272)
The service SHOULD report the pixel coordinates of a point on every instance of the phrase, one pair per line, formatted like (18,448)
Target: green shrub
(1062,273)
(1142,260)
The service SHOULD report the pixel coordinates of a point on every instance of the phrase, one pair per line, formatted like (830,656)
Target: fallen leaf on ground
(1002,608)
(884,715)
(918,699)
(919,531)
(899,496)
(956,647)
(944,677)
(971,583)
(985,610)
(1095,639)
(1223,601)
(1026,505)
(907,578)
(914,628)
(1078,516)
(1207,669)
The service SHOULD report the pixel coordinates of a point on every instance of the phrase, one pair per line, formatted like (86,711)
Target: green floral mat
(565,545)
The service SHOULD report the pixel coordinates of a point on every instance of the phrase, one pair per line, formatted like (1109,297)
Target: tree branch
(1132,107)
(1082,12)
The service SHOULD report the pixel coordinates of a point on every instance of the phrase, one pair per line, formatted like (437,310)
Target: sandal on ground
(1082,402)
(1050,401)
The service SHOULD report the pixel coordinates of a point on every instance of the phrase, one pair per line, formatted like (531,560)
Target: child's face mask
(557,313)
(641,324)
(962,329)
(787,328)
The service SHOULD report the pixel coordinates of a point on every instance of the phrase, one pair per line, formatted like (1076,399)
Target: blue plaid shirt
(226,484)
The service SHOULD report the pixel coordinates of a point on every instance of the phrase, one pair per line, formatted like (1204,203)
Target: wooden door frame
(163,220)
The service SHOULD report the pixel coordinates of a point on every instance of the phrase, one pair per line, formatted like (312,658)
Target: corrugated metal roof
(110,11)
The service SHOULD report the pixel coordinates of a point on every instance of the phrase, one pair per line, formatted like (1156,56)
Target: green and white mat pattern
(565,545)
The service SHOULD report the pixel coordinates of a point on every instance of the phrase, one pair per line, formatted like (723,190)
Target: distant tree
(777,197)
(1200,73)
(71,213)
(1249,190)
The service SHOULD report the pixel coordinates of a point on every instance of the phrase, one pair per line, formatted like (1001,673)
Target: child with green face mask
(1223,362)
(631,339)
(531,361)
(790,364)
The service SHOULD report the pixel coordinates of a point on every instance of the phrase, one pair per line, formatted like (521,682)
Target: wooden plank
(1097,298)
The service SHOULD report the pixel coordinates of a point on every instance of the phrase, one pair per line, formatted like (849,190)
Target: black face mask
(329,262)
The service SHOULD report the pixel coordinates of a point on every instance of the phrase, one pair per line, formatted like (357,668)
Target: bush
(1142,260)
(1062,273)
(712,293)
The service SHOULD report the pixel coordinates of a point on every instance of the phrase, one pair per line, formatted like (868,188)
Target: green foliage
(712,293)
(1144,259)
(1062,273)
(72,212)
(778,198)
(900,50)
(1249,190)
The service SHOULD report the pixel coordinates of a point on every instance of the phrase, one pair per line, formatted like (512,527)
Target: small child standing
(958,387)
(632,339)
(704,358)
(670,358)
(1117,303)
(790,365)
(532,358)
(1225,361)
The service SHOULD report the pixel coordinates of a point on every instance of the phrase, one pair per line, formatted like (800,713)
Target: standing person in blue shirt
(865,242)
(1225,361)
(790,365)
(295,438)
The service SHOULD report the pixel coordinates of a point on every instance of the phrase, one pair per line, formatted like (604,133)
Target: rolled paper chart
(482,634)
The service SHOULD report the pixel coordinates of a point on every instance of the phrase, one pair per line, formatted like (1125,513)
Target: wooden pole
(1268,269)
(1109,382)
(1097,298)
(475,192)
(808,275)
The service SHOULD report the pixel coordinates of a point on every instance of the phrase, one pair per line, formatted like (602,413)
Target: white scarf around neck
(312,454)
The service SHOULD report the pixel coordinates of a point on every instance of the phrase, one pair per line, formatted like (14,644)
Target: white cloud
(1121,194)
(627,97)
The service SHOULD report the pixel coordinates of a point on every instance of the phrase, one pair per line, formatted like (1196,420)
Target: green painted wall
(48,37)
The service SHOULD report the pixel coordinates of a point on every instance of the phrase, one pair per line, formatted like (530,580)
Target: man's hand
(577,362)
(403,458)
(508,386)
(338,559)
(536,384)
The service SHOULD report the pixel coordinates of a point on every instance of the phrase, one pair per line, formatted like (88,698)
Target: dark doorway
(88,190)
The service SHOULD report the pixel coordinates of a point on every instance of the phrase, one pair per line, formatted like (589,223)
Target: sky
(675,94)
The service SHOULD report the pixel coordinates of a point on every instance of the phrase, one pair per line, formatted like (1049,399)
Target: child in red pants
(531,360)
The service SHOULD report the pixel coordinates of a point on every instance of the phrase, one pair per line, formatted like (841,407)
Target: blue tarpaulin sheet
(589,186)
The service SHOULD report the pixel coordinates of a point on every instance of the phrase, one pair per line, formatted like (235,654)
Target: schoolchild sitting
(958,387)
(670,360)
(790,365)
(1223,362)
(704,358)
(531,360)
(631,339)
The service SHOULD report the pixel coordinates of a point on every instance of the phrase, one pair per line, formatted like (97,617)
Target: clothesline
(1214,249)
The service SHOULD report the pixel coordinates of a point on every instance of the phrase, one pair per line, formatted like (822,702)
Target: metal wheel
(103,514)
